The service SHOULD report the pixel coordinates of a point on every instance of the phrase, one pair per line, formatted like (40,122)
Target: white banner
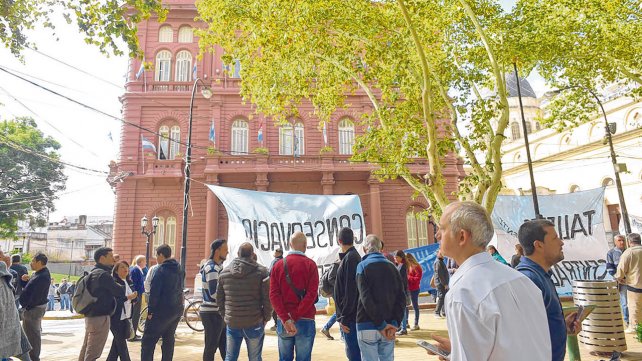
(268,219)
(579,221)
(634,221)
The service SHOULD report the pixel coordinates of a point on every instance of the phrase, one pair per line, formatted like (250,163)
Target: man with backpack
(346,295)
(95,297)
(326,289)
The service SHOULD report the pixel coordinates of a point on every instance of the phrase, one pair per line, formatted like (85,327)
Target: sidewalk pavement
(62,340)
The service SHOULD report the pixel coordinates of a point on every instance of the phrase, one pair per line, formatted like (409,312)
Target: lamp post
(148,234)
(207,93)
(609,131)
(526,146)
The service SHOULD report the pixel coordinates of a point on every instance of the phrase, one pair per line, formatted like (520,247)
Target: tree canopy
(30,174)
(103,22)
(422,64)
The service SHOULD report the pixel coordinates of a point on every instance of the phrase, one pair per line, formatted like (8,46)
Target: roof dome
(525,87)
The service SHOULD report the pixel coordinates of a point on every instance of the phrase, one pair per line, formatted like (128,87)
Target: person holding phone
(543,248)
(487,301)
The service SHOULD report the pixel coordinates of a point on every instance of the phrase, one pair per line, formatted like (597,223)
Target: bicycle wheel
(192,316)
(141,321)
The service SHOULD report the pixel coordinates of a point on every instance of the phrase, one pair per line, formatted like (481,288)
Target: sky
(90,78)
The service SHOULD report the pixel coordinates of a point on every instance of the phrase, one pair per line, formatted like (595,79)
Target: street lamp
(143,225)
(207,93)
(610,129)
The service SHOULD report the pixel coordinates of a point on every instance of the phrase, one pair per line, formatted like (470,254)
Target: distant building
(579,158)
(236,149)
(24,236)
(75,238)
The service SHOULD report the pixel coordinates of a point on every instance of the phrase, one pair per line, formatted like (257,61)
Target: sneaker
(402,332)
(415,328)
(326,333)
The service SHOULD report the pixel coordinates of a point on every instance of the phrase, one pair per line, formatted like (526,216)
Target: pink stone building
(156,106)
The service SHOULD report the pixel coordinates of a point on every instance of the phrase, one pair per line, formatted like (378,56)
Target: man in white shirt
(493,312)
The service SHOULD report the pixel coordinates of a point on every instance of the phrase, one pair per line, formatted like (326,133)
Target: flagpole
(142,152)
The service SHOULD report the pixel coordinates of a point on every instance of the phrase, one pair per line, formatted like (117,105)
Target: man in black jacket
(101,285)
(382,303)
(165,306)
(34,300)
(346,295)
(21,270)
(442,277)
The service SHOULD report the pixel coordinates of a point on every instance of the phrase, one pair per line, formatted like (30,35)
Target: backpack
(328,279)
(82,300)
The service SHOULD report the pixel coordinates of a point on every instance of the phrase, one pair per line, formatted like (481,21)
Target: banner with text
(579,221)
(425,255)
(268,219)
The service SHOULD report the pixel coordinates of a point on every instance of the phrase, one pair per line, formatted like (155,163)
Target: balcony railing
(164,168)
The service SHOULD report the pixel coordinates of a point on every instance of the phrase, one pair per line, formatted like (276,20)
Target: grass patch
(59,276)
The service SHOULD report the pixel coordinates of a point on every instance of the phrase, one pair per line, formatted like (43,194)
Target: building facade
(234,147)
(579,158)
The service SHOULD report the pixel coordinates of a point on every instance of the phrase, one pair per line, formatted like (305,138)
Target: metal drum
(603,329)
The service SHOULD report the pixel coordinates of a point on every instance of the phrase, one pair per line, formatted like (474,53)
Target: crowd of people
(493,311)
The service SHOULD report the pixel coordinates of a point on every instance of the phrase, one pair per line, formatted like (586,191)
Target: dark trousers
(136,313)
(161,325)
(120,330)
(32,325)
(441,296)
(215,336)
(353,352)
(274,317)
(414,298)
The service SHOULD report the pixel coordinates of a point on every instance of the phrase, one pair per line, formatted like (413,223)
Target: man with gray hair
(489,305)
(381,305)
(629,272)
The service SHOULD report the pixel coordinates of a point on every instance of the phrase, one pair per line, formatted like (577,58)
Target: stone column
(375,206)
(327,182)
(211,214)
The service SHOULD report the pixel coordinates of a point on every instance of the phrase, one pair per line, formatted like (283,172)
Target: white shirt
(127,306)
(148,278)
(495,313)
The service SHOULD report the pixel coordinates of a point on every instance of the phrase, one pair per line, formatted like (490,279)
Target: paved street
(63,339)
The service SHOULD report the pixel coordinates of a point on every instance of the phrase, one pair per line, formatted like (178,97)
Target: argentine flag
(147,144)
(141,70)
(212,133)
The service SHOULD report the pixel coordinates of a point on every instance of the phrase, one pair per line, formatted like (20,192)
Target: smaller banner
(636,224)
(425,255)
(579,222)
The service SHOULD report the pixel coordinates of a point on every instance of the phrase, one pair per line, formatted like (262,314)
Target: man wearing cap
(212,320)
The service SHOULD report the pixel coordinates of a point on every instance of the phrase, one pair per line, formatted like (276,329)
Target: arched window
(239,137)
(416,227)
(292,142)
(346,136)
(183,66)
(166,230)
(607,182)
(514,130)
(185,34)
(169,142)
(165,34)
(163,65)
(529,128)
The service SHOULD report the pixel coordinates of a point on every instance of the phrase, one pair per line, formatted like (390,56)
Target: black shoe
(326,333)
(135,339)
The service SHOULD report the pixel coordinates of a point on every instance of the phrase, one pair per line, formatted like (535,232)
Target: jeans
(32,325)
(623,303)
(253,337)
(441,296)
(65,302)
(215,337)
(302,341)
(351,342)
(374,346)
(51,303)
(161,325)
(414,298)
(331,322)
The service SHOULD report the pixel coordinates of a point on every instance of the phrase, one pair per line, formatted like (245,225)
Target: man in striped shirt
(212,320)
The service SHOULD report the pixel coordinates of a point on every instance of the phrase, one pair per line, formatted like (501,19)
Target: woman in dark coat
(120,323)
(400,259)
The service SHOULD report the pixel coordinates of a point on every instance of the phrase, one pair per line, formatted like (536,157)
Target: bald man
(294,301)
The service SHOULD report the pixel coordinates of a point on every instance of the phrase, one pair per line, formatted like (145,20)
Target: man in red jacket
(294,283)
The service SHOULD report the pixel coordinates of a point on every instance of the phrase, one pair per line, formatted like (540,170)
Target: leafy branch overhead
(30,176)
(103,23)
(421,65)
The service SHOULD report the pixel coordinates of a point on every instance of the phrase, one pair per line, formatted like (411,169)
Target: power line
(43,197)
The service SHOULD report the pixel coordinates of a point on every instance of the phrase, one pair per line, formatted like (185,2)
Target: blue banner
(425,255)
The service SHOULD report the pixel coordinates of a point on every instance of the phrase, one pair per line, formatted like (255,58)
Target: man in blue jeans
(612,261)
(345,293)
(382,303)
(243,299)
(294,286)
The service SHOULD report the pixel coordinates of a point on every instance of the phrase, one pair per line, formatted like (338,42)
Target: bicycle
(191,313)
